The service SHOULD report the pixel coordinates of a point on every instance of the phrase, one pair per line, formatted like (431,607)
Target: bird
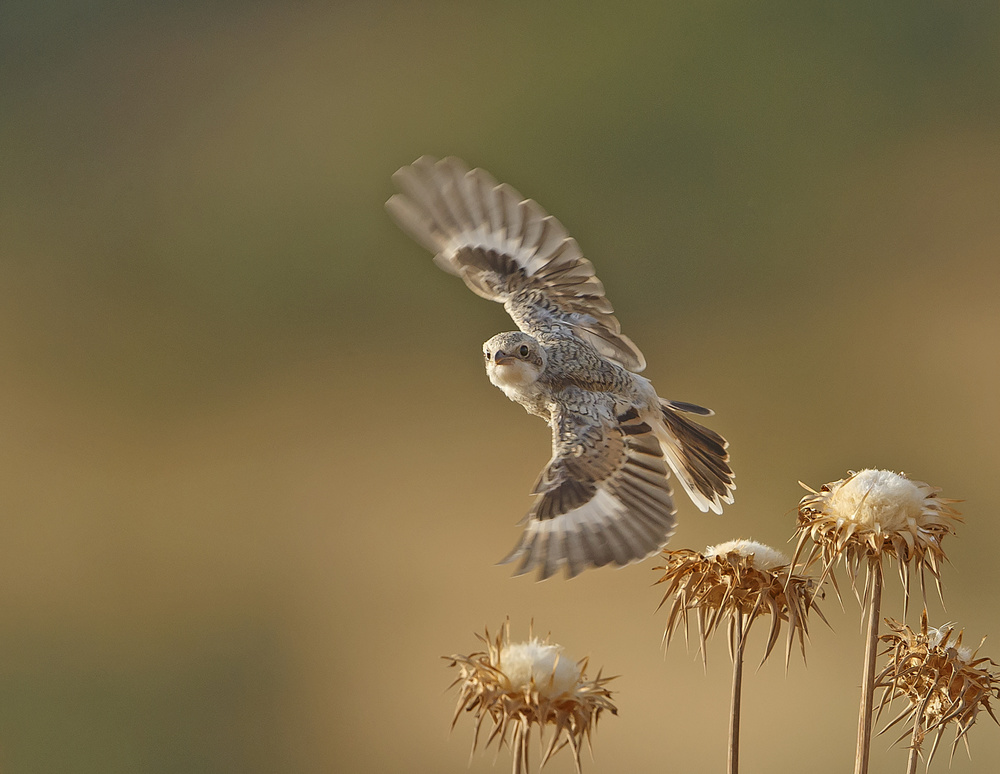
(605,497)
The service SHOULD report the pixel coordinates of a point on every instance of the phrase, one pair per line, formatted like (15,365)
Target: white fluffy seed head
(878,500)
(552,673)
(935,638)
(764,557)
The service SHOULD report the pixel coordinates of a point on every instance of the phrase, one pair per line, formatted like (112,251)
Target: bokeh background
(254,481)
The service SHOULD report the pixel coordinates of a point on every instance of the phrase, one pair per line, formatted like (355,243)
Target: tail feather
(688,408)
(698,456)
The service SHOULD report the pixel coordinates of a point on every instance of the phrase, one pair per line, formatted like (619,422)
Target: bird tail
(698,456)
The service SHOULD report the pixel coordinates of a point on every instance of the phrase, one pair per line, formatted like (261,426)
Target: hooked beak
(502,358)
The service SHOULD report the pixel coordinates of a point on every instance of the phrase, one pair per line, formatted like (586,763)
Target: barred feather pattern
(605,497)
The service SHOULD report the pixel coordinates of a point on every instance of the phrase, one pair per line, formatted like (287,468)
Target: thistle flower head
(761,557)
(876,513)
(524,684)
(536,665)
(738,581)
(940,679)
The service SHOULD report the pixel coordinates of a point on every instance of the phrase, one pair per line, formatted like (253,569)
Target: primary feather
(508,249)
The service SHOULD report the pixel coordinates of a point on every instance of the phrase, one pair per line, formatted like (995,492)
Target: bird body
(604,497)
(563,362)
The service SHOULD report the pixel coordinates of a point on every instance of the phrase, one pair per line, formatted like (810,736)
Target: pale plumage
(604,497)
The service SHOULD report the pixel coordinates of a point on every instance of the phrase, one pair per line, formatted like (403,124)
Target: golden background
(254,481)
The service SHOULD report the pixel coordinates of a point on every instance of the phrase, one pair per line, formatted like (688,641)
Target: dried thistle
(941,680)
(860,519)
(737,581)
(876,513)
(518,685)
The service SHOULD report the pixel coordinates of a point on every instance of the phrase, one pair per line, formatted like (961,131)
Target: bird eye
(523,350)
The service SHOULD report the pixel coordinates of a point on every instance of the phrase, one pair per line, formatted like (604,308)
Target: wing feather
(596,548)
(604,497)
(576,556)
(508,249)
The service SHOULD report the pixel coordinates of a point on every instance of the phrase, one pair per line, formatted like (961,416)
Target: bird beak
(501,358)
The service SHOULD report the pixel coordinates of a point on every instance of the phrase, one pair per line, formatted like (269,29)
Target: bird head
(513,359)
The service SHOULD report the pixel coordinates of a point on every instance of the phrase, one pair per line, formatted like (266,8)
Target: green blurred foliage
(254,482)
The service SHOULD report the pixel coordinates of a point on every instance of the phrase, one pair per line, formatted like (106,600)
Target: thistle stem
(734,714)
(911,763)
(915,740)
(520,751)
(868,677)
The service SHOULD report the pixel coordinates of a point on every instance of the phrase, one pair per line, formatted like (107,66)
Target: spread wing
(603,499)
(508,249)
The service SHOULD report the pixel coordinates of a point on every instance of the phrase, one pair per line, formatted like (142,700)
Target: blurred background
(254,480)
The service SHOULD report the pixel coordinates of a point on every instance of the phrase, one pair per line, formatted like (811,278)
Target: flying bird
(605,496)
